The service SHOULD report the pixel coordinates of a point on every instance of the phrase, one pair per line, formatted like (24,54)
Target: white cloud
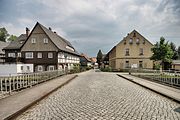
(105,21)
(12,29)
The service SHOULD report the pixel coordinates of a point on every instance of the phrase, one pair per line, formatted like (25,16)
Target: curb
(16,114)
(156,91)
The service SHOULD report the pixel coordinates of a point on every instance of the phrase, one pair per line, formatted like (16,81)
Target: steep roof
(135,31)
(16,44)
(60,42)
(2,45)
(86,57)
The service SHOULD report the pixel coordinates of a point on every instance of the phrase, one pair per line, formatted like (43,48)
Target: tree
(99,58)
(175,53)
(12,38)
(162,52)
(3,34)
(178,52)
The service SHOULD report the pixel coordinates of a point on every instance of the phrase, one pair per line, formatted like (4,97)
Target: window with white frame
(130,41)
(19,54)
(33,40)
(51,68)
(28,67)
(29,55)
(21,67)
(39,68)
(137,41)
(50,55)
(11,55)
(39,55)
(46,40)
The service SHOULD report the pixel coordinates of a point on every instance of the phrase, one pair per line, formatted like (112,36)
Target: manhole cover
(177,109)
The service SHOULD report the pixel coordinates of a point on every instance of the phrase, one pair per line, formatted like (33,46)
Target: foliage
(3,34)
(162,51)
(157,66)
(106,69)
(178,52)
(12,38)
(99,58)
(173,47)
(76,69)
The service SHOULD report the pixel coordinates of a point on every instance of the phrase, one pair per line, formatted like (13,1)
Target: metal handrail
(169,77)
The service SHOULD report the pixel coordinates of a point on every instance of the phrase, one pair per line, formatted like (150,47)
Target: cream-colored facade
(134,51)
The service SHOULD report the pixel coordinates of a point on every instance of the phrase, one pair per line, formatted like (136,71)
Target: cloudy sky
(91,25)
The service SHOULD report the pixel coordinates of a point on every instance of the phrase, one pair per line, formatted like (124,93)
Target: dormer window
(137,41)
(70,48)
(130,41)
(33,40)
(21,42)
(45,40)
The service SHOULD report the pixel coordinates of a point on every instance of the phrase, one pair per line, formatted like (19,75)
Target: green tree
(12,38)
(162,52)
(3,34)
(178,52)
(175,52)
(99,58)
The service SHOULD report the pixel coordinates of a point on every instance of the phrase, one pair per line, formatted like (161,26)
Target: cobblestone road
(103,96)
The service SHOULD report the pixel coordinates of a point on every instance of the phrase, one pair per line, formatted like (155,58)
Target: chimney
(27,31)
(50,28)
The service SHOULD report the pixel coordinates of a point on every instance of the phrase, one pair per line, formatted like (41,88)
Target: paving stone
(103,96)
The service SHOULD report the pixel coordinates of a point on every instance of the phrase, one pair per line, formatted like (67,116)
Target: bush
(157,66)
(106,69)
(76,69)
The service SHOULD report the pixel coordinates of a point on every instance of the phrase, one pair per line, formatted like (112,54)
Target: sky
(91,25)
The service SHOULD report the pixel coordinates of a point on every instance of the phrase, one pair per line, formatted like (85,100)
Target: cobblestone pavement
(102,96)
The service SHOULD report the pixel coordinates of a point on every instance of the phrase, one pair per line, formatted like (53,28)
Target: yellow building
(134,51)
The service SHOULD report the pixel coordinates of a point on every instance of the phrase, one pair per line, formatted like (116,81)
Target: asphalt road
(103,96)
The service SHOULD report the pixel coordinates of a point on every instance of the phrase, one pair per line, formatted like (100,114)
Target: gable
(38,34)
(134,42)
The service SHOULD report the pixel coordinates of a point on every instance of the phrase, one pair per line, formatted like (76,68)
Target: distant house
(93,60)
(105,62)
(2,53)
(175,64)
(85,61)
(134,51)
(44,49)
(13,50)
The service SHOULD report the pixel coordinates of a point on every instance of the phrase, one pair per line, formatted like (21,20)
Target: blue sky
(91,25)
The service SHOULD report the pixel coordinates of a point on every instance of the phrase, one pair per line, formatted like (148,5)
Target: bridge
(94,95)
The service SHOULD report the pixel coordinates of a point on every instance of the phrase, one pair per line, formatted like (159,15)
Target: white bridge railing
(9,84)
(169,77)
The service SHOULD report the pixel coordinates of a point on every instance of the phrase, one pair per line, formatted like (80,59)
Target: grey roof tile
(60,42)
(17,43)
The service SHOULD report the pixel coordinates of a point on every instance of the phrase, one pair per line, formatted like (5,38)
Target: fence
(14,83)
(168,77)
